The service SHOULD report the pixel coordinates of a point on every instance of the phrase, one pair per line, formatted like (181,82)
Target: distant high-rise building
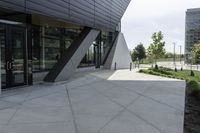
(192,31)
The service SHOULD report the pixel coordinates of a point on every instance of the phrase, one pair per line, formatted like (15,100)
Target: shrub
(168,76)
(162,71)
(196,130)
(182,79)
(166,69)
(192,73)
(151,72)
(175,70)
(195,92)
(141,71)
(194,88)
(156,66)
(187,79)
(192,83)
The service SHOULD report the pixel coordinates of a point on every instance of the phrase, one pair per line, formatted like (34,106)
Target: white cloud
(143,17)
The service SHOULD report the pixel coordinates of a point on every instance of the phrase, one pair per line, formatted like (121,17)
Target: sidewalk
(96,102)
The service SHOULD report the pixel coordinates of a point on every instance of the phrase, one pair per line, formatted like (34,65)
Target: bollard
(115,66)
(130,66)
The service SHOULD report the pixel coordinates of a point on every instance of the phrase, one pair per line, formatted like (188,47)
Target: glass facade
(98,50)
(49,43)
(107,39)
(192,35)
(3,58)
(31,46)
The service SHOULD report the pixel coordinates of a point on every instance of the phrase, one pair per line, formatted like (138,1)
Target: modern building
(192,31)
(48,40)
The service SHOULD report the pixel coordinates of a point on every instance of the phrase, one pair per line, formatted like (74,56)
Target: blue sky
(144,17)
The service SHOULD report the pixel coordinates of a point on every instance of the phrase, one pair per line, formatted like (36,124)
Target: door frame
(3,26)
(8,56)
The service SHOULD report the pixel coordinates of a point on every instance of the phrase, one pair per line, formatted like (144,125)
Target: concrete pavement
(96,102)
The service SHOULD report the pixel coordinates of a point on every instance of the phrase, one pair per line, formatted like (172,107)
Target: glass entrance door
(3,58)
(17,58)
(13,67)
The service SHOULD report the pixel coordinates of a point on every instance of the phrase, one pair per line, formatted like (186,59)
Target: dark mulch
(192,114)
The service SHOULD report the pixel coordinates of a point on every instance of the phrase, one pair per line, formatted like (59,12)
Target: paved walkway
(96,102)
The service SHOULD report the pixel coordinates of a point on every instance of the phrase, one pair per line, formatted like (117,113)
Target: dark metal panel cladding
(54,8)
(101,14)
(82,11)
(17,5)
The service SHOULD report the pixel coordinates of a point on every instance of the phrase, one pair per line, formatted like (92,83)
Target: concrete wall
(75,60)
(119,54)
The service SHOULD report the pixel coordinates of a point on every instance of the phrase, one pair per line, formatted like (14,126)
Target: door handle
(7,65)
(10,66)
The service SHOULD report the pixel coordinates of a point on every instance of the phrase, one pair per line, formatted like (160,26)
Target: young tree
(196,52)
(156,48)
(139,53)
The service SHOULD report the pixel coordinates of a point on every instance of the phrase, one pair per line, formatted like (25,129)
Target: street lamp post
(180,54)
(174,55)
(181,57)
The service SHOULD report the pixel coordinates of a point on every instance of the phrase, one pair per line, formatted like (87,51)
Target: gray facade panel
(17,5)
(99,14)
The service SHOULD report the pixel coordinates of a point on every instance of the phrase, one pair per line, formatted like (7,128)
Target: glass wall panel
(98,50)
(50,47)
(192,32)
(88,59)
(107,39)
(49,44)
(3,61)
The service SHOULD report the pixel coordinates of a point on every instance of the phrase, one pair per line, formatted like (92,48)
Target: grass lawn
(184,75)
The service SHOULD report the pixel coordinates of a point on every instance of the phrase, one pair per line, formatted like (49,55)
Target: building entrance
(13,56)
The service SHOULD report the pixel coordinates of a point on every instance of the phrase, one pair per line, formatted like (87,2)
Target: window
(49,44)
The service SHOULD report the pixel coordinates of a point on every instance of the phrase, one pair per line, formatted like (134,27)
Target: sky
(144,17)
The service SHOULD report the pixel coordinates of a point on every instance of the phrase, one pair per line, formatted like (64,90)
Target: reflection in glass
(192,35)
(2,43)
(17,57)
(98,50)
(88,59)
(49,44)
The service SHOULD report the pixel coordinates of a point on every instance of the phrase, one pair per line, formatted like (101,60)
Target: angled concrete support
(68,63)
(119,55)
(0,72)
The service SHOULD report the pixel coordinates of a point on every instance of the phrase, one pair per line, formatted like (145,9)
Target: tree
(196,52)
(139,53)
(156,48)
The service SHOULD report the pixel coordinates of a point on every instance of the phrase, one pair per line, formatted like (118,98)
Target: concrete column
(75,60)
(119,55)
(69,62)
(0,69)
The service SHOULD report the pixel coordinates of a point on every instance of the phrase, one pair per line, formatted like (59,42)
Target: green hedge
(195,130)
(194,88)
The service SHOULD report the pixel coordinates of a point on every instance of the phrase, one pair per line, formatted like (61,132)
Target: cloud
(143,17)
